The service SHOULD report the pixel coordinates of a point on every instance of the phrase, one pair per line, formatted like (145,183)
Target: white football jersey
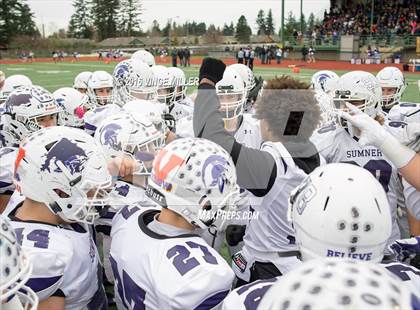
(94,118)
(408,274)
(7,163)
(65,263)
(181,110)
(249,133)
(405,112)
(122,194)
(337,146)
(172,269)
(248,297)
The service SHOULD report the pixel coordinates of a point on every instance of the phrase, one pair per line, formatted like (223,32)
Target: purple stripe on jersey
(212,301)
(109,215)
(40,284)
(90,127)
(4,184)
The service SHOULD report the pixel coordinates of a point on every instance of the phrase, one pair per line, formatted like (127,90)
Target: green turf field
(53,76)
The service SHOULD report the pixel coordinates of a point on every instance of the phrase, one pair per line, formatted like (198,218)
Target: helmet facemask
(102,99)
(394,97)
(231,104)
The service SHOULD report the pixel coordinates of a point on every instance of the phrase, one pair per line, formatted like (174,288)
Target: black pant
(173,62)
(251,63)
(240,60)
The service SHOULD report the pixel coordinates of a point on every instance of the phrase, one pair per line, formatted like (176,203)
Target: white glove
(372,133)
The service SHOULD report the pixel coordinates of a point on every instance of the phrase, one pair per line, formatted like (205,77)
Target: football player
(63,176)
(172,267)
(16,270)
(27,109)
(11,83)
(253,85)
(393,85)
(353,226)
(338,284)
(288,118)
(81,81)
(133,79)
(74,104)
(339,142)
(129,142)
(145,57)
(324,81)
(182,104)
(100,92)
(329,220)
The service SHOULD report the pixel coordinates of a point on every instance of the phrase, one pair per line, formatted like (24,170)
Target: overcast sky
(55,14)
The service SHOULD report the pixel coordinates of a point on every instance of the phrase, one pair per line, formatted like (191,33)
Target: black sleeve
(256,170)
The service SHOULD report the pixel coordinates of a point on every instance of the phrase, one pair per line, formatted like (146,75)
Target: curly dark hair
(290,109)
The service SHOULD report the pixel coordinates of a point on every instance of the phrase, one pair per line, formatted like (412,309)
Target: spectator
(251,59)
(174,57)
(31,56)
(311,53)
(304,52)
(246,56)
(55,56)
(181,57)
(279,54)
(187,56)
(269,55)
(263,55)
(240,56)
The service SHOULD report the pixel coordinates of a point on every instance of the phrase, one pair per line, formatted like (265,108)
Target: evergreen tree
(80,25)
(269,23)
(291,25)
(228,30)
(311,22)
(261,23)
(243,31)
(303,26)
(155,29)
(16,19)
(129,17)
(105,17)
(26,24)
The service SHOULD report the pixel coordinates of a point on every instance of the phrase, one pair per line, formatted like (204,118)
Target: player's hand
(406,248)
(169,121)
(123,166)
(212,69)
(372,133)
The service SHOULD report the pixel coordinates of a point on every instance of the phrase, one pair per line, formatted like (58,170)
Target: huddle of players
(140,173)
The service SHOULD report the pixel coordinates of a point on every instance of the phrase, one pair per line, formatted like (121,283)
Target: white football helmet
(25,107)
(15,269)
(74,105)
(65,169)
(11,83)
(153,111)
(100,81)
(145,57)
(195,178)
(339,284)
(134,79)
(391,77)
(340,210)
(231,92)
(81,81)
(180,83)
(246,74)
(324,81)
(133,135)
(361,89)
(165,82)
